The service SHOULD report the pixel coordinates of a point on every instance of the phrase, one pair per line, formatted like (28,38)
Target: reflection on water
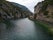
(22,29)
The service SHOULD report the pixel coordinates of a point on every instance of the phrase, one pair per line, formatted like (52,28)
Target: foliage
(10,10)
(35,15)
(2,0)
(46,13)
(49,1)
(45,4)
(45,26)
(48,16)
(52,14)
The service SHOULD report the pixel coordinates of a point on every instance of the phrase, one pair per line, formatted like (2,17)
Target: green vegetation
(46,3)
(47,16)
(45,23)
(49,2)
(45,26)
(46,13)
(11,10)
(35,15)
(1,1)
(52,14)
(44,6)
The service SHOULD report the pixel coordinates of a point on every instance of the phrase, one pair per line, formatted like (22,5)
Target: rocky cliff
(44,11)
(10,10)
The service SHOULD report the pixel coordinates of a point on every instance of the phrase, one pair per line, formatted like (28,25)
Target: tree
(46,13)
(49,1)
(2,0)
(45,4)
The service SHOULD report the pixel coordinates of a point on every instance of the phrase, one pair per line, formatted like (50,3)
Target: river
(22,29)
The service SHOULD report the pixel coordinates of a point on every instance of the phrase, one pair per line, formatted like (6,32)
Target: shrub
(49,2)
(46,13)
(35,15)
(44,6)
(48,16)
(52,14)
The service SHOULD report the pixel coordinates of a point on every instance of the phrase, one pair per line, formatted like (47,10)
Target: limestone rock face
(10,10)
(43,15)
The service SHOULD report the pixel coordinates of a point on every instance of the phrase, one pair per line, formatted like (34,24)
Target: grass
(45,26)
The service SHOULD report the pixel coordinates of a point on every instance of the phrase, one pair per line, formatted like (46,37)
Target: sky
(28,3)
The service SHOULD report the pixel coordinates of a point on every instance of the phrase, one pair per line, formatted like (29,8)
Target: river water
(22,29)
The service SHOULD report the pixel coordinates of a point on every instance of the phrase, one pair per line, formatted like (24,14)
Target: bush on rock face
(46,13)
(49,1)
(2,0)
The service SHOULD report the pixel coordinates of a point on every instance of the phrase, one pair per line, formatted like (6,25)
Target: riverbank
(47,27)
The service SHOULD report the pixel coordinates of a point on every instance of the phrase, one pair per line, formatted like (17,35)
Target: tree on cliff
(49,1)
(1,1)
(46,3)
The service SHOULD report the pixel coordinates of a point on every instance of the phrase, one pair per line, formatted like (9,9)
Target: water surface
(22,29)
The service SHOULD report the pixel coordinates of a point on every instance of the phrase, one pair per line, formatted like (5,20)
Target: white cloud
(28,3)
